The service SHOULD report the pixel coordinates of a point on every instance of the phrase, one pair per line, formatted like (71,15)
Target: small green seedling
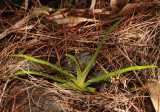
(77,82)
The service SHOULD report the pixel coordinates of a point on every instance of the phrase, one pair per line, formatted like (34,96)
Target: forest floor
(70,27)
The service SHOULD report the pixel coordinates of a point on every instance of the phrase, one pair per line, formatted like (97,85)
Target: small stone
(83,59)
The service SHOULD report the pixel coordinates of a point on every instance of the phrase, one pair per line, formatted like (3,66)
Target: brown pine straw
(134,42)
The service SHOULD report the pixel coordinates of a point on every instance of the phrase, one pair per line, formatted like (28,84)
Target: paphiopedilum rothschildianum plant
(77,82)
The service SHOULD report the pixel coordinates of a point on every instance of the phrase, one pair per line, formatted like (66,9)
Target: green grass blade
(44,62)
(37,73)
(87,69)
(115,73)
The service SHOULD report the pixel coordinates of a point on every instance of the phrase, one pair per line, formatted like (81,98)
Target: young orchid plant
(77,82)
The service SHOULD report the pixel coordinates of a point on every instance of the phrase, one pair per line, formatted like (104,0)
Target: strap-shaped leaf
(37,73)
(76,62)
(44,62)
(87,69)
(79,82)
(115,73)
(90,89)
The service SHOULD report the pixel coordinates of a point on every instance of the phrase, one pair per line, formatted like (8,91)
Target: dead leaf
(130,7)
(118,3)
(154,90)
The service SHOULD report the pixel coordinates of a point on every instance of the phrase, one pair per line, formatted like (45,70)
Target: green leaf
(79,72)
(37,73)
(46,63)
(90,89)
(97,79)
(53,23)
(79,82)
(134,88)
(43,20)
(87,69)
(70,5)
(64,85)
